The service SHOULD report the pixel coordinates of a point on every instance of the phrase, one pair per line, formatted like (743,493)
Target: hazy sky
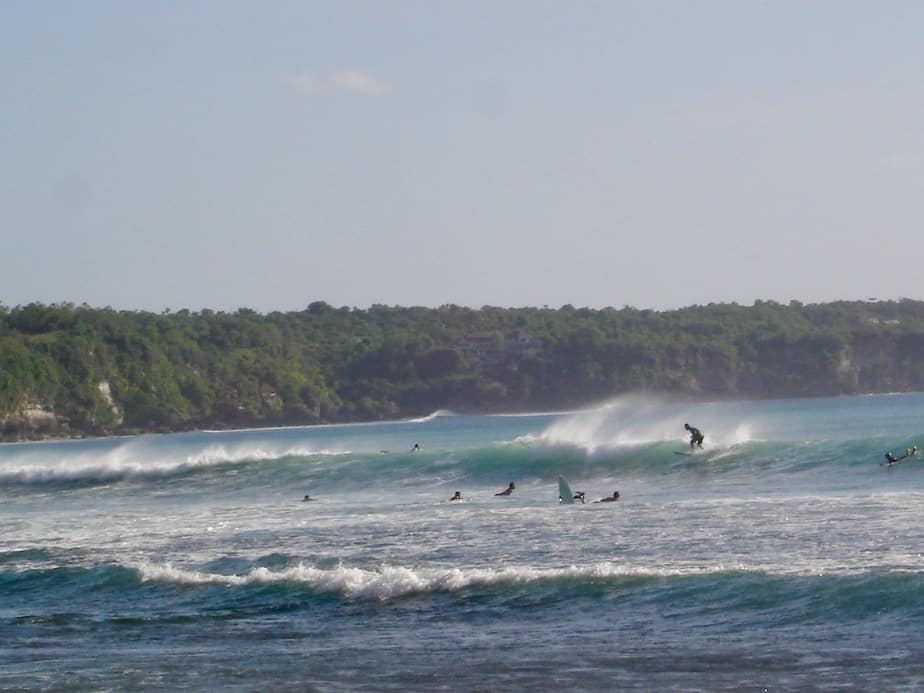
(504,152)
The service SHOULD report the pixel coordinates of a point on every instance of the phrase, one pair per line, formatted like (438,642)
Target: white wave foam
(430,417)
(138,460)
(525,440)
(531,414)
(390,582)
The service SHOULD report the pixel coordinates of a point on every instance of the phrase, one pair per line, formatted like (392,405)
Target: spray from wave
(638,420)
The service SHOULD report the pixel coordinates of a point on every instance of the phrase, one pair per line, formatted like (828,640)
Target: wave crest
(127,462)
(391,582)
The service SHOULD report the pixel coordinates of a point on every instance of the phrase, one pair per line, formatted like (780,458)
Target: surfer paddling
(610,499)
(696,436)
(892,459)
(507,491)
(308,498)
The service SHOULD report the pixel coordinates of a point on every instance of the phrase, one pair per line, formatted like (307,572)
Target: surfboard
(892,464)
(911,452)
(685,454)
(565,494)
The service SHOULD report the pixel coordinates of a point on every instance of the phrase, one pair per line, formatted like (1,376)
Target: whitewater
(784,555)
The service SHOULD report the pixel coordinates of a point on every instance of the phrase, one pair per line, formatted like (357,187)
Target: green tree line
(97,370)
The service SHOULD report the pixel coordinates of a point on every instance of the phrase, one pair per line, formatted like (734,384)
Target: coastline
(38,436)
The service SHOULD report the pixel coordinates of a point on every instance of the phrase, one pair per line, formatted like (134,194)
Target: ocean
(782,556)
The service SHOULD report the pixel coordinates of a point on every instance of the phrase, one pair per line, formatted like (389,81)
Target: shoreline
(443,412)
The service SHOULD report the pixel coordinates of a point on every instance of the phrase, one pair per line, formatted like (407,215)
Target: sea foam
(391,582)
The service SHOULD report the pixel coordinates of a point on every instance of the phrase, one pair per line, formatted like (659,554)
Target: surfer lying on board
(892,459)
(696,436)
(507,491)
(308,498)
(610,499)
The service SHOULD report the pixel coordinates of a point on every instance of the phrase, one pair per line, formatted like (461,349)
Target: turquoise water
(782,556)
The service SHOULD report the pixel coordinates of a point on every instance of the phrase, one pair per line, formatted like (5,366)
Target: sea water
(781,556)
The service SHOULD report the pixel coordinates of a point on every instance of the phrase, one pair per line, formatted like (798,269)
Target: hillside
(77,370)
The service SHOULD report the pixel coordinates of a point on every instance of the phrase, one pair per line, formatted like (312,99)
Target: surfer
(308,498)
(580,496)
(610,499)
(416,447)
(507,491)
(458,496)
(892,459)
(696,436)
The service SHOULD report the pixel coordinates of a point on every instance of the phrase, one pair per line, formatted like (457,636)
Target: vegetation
(78,370)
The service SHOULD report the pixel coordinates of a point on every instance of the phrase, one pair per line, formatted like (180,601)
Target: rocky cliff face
(36,419)
(106,393)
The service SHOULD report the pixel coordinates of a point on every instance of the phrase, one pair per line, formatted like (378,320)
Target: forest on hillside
(79,370)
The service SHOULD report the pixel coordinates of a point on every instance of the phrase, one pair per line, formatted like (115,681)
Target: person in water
(892,459)
(458,496)
(610,499)
(580,496)
(696,436)
(308,498)
(416,447)
(507,491)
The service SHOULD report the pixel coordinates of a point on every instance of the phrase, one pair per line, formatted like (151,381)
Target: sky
(513,153)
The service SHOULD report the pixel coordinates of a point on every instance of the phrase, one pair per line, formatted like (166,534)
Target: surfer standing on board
(507,491)
(696,436)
